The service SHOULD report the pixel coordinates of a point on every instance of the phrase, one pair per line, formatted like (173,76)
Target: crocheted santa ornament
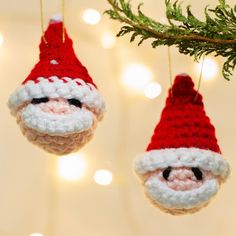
(58,105)
(182,167)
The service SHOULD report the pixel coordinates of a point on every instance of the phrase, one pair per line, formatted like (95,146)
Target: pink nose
(56,106)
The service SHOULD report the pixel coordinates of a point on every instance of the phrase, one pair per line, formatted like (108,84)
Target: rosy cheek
(208,175)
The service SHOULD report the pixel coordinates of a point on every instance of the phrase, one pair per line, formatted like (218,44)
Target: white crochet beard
(57,124)
(161,194)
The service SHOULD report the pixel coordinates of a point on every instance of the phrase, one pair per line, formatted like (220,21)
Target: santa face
(180,190)
(59,126)
(181,180)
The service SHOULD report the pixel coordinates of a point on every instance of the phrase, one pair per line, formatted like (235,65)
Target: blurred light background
(95,192)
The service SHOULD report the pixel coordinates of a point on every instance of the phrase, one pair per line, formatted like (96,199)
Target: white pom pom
(56,18)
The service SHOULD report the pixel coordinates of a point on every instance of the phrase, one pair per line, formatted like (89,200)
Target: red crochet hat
(58,58)
(183,121)
(58,73)
(184,136)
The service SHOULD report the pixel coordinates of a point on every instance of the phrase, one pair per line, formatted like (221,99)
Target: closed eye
(39,100)
(166,173)
(75,102)
(198,173)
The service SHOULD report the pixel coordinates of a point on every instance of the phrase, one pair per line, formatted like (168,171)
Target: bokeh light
(71,167)
(209,70)
(136,77)
(36,234)
(91,16)
(108,40)
(1,40)
(152,90)
(103,177)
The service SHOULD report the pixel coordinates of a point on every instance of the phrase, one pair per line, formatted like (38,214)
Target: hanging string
(42,22)
(200,78)
(63,19)
(170,71)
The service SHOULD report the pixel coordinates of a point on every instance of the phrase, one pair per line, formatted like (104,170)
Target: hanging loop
(170,72)
(42,21)
(63,19)
(200,78)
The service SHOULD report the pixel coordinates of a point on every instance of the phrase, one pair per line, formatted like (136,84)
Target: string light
(36,234)
(152,90)
(103,177)
(108,40)
(91,16)
(71,167)
(137,76)
(209,70)
(1,40)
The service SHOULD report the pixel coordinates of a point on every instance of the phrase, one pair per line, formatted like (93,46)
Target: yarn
(59,145)
(58,58)
(61,108)
(54,87)
(179,157)
(57,124)
(183,121)
(182,168)
(58,105)
(180,202)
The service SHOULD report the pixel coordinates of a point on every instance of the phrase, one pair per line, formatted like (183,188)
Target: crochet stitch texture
(56,80)
(184,122)
(57,58)
(184,140)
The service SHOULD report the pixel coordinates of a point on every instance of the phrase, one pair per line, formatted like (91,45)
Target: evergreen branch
(217,34)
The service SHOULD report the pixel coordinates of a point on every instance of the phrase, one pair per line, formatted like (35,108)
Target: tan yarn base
(59,145)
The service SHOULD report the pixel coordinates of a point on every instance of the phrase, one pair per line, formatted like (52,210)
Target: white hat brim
(182,157)
(55,87)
